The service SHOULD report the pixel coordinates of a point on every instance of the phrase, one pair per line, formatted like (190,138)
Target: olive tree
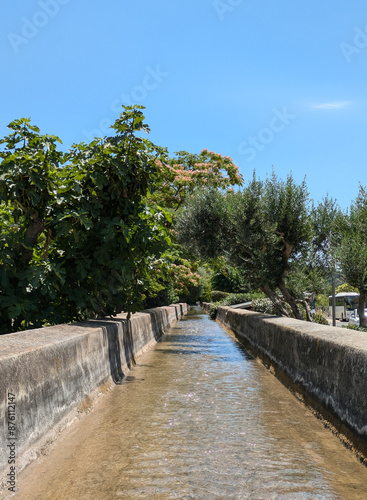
(262,230)
(353,250)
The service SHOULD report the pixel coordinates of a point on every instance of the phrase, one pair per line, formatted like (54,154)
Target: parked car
(354,318)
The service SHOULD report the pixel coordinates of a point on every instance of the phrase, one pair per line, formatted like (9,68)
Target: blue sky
(272,83)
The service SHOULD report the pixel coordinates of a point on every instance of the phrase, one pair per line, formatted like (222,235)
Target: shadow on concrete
(118,333)
(114,329)
(180,313)
(158,317)
(114,346)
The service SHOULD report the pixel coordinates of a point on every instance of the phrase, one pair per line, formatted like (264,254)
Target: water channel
(197,418)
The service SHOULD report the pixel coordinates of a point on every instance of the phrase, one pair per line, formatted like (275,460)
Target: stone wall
(324,366)
(56,372)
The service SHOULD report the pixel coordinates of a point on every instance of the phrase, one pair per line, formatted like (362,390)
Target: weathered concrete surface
(326,366)
(55,372)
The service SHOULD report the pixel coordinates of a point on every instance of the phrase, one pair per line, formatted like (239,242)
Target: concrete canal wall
(325,366)
(49,375)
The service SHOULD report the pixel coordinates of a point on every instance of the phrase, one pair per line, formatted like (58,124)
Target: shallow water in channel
(197,417)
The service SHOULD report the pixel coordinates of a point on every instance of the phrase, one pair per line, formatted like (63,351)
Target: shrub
(355,327)
(218,295)
(263,305)
(229,300)
(322,302)
(163,297)
(235,298)
(229,279)
(319,318)
(206,295)
(192,295)
(213,312)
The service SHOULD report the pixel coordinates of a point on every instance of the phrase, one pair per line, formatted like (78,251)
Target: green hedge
(230,300)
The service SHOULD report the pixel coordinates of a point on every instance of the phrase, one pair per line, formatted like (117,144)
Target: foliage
(213,311)
(352,251)
(322,302)
(29,184)
(206,286)
(229,279)
(320,318)
(263,230)
(83,233)
(326,218)
(218,295)
(78,239)
(264,306)
(163,296)
(310,273)
(187,173)
(204,224)
(322,255)
(181,177)
(355,327)
(174,278)
(238,298)
(230,300)
(306,278)
(346,287)
(186,282)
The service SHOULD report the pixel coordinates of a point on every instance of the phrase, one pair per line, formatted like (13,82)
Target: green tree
(187,173)
(262,230)
(115,235)
(287,207)
(307,278)
(312,270)
(326,217)
(78,238)
(346,287)
(29,183)
(181,177)
(353,250)
(229,279)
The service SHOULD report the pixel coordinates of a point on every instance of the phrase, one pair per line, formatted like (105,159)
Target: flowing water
(197,418)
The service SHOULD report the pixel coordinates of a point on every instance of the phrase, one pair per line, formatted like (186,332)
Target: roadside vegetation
(231,299)
(119,225)
(355,327)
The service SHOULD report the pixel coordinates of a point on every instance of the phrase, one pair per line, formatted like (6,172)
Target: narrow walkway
(197,418)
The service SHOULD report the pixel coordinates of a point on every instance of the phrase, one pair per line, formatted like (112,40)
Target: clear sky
(272,83)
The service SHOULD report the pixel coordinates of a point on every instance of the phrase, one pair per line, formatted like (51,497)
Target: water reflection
(198,418)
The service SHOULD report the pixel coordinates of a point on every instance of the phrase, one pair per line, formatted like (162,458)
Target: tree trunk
(276,300)
(290,299)
(361,308)
(287,250)
(307,307)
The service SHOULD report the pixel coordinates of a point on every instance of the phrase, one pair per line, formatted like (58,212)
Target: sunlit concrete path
(197,418)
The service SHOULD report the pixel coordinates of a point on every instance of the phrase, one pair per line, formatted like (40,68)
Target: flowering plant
(187,172)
